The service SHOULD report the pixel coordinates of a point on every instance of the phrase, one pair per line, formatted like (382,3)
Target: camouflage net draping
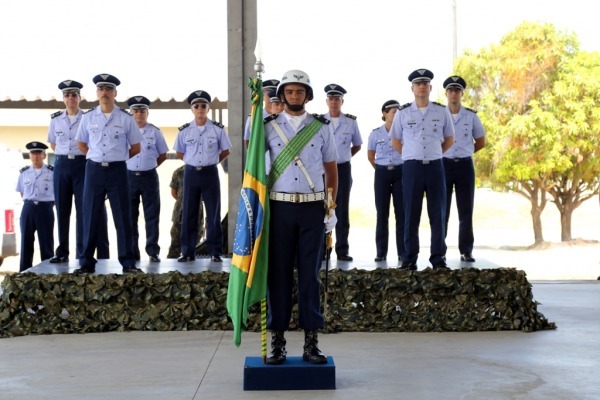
(382,300)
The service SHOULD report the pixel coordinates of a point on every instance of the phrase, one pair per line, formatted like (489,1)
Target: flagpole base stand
(293,374)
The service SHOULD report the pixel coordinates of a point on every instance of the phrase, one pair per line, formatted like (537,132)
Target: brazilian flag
(248,276)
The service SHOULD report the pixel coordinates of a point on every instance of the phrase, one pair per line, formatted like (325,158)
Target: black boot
(278,352)
(312,354)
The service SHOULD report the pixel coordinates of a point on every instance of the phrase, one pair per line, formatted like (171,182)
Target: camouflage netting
(382,300)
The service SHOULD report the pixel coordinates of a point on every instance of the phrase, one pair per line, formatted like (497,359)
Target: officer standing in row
(348,141)
(458,164)
(202,144)
(69,175)
(108,136)
(269,89)
(422,131)
(297,193)
(37,190)
(387,163)
(143,178)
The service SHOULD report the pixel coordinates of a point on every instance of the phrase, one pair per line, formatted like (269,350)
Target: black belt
(458,159)
(424,162)
(389,167)
(69,157)
(107,164)
(140,173)
(202,168)
(36,202)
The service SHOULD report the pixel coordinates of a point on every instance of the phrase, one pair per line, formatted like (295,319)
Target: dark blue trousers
(36,218)
(388,186)
(342,210)
(100,182)
(201,185)
(460,177)
(419,179)
(69,177)
(144,186)
(296,234)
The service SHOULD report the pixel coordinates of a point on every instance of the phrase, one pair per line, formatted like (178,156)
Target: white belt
(297,197)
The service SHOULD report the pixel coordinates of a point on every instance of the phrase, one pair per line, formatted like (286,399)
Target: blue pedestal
(293,374)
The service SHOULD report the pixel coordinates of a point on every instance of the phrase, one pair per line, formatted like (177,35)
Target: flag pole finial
(259,67)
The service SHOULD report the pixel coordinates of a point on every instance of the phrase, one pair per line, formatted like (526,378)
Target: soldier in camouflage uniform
(177,193)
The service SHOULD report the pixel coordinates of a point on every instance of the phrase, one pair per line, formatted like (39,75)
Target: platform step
(293,374)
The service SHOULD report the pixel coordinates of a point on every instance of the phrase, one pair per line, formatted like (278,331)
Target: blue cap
(137,102)
(70,86)
(199,95)
(36,147)
(334,89)
(420,75)
(455,82)
(270,84)
(106,80)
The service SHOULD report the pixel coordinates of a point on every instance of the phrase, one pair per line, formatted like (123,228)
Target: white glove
(330,221)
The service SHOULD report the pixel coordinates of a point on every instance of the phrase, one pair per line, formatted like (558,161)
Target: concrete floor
(557,364)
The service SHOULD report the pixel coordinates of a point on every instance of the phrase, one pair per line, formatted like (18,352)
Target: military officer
(269,88)
(69,175)
(422,131)
(35,184)
(387,163)
(143,178)
(201,144)
(297,192)
(348,141)
(458,164)
(176,186)
(108,136)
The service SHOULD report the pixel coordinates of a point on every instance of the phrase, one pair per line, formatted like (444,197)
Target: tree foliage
(539,99)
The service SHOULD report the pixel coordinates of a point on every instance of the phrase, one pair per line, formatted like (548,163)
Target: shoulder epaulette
(154,126)
(470,109)
(56,114)
(439,104)
(376,128)
(402,107)
(270,118)
(321,118)
(91,109)
(50,167)
(182,127)
(125,111)
(217,123)
(350,116)
(24,169)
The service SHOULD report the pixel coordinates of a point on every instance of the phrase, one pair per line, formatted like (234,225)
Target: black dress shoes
(379,259)
(468,257)
(154,258)
(440,265)
(185,259)
(132,270)
(216,259)
(408,266)
(344,257)
(85,269)
(58,260)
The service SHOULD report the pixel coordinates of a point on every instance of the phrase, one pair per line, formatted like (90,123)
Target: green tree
(528,89)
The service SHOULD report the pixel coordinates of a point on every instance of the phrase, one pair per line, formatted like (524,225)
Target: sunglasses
(197,106)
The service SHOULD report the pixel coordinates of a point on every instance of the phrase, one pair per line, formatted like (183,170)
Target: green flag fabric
(248,277)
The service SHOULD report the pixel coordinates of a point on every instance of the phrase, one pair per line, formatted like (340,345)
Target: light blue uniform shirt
(108,139)
(201,145)
(34,186)
(152,145)
(62,132)
(467,127)
(248,123)
(346,135)
(319,150)
(421,133)
(380,141)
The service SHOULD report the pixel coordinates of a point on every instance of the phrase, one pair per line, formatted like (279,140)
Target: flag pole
(259,68)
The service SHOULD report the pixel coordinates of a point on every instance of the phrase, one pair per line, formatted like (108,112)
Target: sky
(169,49)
